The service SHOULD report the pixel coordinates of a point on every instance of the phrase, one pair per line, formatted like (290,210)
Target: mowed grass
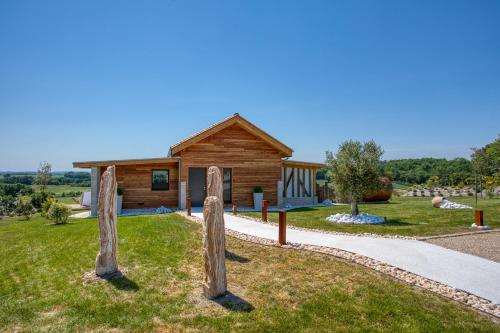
(272,290)
(59,189)
(405,216)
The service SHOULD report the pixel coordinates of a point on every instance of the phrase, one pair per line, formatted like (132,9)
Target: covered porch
(145,184)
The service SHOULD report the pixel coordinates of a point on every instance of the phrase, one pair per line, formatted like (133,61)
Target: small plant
(46,206)
(38,198)
(24,207)
(257,189)
(119,191)
(58,213)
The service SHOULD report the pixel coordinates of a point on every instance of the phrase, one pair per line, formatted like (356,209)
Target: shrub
(24,206)
(58,213)
(257,189)
(7,205)
(38,198)
(46,206)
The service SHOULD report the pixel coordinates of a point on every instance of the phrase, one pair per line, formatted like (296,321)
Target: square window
(159,180)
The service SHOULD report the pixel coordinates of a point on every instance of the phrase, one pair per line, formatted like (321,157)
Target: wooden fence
(324,192)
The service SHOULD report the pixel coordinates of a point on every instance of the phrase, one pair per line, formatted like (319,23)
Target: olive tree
(354,170)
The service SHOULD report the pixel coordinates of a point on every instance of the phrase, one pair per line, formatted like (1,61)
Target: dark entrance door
(197,186)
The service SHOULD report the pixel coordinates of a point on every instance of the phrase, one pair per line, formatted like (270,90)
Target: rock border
(477,303)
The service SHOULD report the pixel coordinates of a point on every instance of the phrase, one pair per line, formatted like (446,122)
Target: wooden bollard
(188,206)
(264,210)
(235,209)
(282,228)
(479,218)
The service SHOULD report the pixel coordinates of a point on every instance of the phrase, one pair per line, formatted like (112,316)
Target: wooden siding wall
(298,182)
(254,162)
(135,181)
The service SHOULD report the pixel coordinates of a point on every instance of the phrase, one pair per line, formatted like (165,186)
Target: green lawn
(59,189)
(406,216)
(274,290)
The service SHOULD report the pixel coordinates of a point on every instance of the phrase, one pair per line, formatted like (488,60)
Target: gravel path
(486,245)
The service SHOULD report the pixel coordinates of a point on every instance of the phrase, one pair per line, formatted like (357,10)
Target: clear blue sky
(108,80)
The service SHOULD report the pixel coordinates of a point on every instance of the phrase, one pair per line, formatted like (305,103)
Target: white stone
(362,218)
(453,205)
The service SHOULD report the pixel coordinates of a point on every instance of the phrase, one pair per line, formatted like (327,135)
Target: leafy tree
(433,181)
(59,213)
(354,170)
(24,207)
(43,175)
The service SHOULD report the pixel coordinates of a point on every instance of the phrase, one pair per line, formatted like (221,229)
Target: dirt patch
(485,245)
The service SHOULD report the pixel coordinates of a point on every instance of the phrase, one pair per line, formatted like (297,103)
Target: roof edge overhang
(302,164)
(155,160)
(234,119)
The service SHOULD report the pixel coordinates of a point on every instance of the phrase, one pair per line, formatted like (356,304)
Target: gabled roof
(219,126)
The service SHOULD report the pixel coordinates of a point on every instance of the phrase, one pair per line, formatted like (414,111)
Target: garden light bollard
(264,210)
(282,228)
(479,218)
(188,206)
(235,209)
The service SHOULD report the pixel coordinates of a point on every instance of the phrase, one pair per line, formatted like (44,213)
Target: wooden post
(479,217)
(215,283)
(264,210)
(282,227)
(106,262)
(188,206)
(235,209)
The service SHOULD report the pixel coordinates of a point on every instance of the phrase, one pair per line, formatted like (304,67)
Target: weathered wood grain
(135,181)
(215,283)
(253,161)
(106,262)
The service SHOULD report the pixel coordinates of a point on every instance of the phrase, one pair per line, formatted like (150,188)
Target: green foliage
(38,198)
(46,206)
(59,213)
(15,189)
(24,207)
(354,170)
(418,171)
(257,189)
(119,191)
(7,205)
(433,181)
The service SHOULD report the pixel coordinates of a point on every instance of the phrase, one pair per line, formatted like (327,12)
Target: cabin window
(227,185)
(159,180)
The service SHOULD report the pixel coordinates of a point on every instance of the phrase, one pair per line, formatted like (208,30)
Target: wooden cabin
(247,156)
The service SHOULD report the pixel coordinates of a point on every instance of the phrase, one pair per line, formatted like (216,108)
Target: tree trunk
(354,208)
(106,261)
(215,283)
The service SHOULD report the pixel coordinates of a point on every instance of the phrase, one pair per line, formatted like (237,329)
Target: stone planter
(257,200)
(119,202)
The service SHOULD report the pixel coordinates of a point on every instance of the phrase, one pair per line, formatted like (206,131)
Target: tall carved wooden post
(215,283)
(106,262)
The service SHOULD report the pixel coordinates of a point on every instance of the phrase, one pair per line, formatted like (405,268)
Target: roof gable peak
(229,121)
